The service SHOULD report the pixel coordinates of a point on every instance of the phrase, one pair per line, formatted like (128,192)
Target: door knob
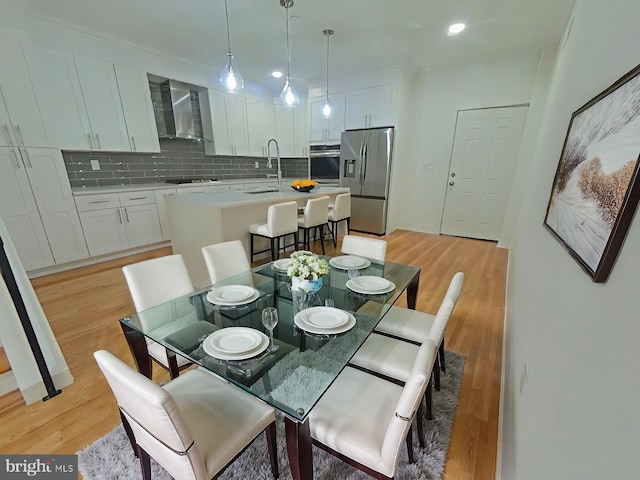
(451,183)
(453,175)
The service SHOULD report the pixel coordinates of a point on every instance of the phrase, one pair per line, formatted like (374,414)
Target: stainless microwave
(324,162)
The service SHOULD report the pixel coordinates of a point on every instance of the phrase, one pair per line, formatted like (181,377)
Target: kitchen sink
(261,191)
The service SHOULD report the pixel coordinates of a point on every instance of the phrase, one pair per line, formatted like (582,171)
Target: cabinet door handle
(7,134)
(26,156)
(138,198)
(19,138)
(90,141)
(99,201)
(15,157)
(133,144)
(98,142)
(126,215)
(119,216)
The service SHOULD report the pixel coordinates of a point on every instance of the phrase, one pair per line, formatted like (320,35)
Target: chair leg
(334,233)
(348,225)
(420,425)
(174,371)
(273,448)
(436,374)
(145,463)
(322,237)
(441,352)
(273,253)
(127,429)
(295,240)
(251,247)
(428,395)
(410,444)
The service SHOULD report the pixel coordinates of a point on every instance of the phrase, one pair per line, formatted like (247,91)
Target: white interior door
(485,152)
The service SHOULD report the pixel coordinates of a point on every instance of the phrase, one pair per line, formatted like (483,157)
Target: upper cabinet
(82,101)
(371,107)
(225,116)
(322,128)
(138,109)
(261,121)
(21,122)
(292,131)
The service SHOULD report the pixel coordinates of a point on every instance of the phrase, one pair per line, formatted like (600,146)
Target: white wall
(496,84)
(577,416)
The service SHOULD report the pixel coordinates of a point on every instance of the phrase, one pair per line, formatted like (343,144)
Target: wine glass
(354,273)
(270,320)
(329,303)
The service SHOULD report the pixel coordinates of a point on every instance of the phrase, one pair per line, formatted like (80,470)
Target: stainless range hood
(180,111)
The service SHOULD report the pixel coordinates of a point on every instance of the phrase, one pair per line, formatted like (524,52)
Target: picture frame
(595,190)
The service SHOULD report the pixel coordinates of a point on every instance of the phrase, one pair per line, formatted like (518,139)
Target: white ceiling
(368,33)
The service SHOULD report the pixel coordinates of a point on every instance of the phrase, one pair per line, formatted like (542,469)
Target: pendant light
(230,78)
(326,109)
(289,96)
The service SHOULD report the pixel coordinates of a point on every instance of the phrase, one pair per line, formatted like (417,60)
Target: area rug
(111,457)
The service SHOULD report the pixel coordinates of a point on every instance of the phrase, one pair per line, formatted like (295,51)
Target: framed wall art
(595,191)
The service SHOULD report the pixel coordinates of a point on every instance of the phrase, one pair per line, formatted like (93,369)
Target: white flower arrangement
(307,266)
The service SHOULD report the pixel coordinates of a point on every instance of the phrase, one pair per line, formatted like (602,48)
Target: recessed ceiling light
(276,74)
(455,29)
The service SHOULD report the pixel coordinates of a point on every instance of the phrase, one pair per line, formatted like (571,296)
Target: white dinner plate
(370,285)
(282,264)
(325,317)
(233,295)
(349,262)
(312,314)
(235,343)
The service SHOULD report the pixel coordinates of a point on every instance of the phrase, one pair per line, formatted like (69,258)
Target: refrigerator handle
(362,146)
(364,162)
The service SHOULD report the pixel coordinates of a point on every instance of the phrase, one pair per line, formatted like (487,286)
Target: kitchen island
(197,220)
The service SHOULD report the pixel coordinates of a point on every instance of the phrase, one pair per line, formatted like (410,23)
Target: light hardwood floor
(84,306)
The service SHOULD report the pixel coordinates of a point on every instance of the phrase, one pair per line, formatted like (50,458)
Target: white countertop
(237,198)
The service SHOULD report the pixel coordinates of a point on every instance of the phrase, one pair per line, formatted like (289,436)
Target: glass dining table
(312,342)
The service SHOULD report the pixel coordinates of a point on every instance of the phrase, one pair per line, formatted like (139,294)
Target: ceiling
(369,34)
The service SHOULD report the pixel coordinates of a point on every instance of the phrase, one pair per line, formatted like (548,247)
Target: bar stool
(340,211)
(281,221)
(316,215)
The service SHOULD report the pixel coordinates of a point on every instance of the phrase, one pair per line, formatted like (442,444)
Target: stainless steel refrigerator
(365,167)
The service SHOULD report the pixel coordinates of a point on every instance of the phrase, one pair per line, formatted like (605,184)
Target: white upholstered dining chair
(364,420)
(372,248)
(225,260)
(315,217)
(282,220)
(152,283)
(194,426)
(414,326)
(340,211)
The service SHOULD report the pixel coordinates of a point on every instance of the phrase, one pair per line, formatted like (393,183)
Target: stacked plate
(233,295)
(281,264)
(235,343)
(349,262)
(370,285)
(324,320)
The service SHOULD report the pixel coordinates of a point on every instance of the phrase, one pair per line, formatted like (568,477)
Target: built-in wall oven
(324,163)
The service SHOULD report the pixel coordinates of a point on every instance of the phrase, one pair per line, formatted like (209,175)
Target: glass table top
(307,360)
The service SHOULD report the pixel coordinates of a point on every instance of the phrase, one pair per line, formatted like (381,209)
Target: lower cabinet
(38,209)
(113,222)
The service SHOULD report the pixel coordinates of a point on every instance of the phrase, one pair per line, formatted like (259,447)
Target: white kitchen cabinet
(371,107)
(202,188)
(113,222)
(229,123)
(161,196)
(20,116)
(291,131)
(327,129)
(135,95)
(261,123)
(38,207)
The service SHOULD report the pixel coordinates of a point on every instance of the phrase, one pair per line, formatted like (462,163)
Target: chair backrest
(373,248)
(225,260)
(408,403)
(455,287)
(342,206)
(439,325)
(154,418)
(316,211)
(156,281)
(282,218)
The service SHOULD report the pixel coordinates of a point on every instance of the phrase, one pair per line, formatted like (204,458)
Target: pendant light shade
(326,109)
(289,96)
(230,78)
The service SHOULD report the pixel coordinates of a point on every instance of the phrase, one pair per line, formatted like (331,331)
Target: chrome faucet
(278,158)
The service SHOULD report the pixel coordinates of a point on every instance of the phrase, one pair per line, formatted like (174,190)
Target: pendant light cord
(226,13)
(288,52)
(328,33)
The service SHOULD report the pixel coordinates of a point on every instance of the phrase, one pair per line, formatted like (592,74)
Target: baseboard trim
(502,377)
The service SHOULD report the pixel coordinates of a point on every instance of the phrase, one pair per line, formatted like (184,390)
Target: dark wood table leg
(299,449)
(138,348)
(412,291)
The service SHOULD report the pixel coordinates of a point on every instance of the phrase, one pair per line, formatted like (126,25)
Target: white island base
(198,220)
